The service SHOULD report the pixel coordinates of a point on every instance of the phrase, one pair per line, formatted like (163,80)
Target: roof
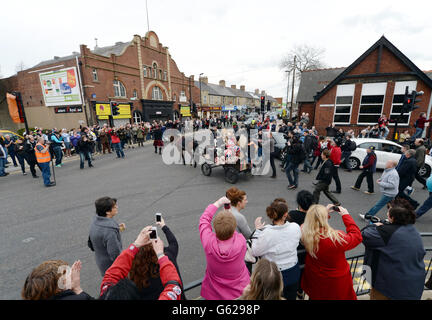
(313,81)
(57,59)
(382,42)
(116,49)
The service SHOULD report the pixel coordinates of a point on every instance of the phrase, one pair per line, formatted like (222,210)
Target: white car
(385,150)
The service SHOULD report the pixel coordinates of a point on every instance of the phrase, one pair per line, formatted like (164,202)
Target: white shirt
(278,244)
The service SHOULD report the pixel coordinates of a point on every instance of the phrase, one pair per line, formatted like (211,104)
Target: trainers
(58,166)
(354,188)
(367,192)
(24,173)
(362,216)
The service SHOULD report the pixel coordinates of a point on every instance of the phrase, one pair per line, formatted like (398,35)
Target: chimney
(222,83)
(242,88)
(204,80)
(233,86)
(257,92)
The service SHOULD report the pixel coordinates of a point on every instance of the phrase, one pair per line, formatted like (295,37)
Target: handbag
(90,244)
(249,257)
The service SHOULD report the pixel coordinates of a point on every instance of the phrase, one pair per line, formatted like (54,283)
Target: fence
(360,282)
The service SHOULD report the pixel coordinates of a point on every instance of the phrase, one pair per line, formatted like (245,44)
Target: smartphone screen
(153,234)
(336,208)
(158,217)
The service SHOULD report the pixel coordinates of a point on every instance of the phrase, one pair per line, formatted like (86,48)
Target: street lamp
(200,94)
(289,73)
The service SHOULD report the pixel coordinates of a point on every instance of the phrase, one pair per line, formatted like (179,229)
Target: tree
(20,66)
(307,58)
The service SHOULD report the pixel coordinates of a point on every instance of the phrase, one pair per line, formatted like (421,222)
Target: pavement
(38,223)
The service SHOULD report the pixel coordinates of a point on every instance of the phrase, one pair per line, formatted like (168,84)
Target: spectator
(21,154)
(84,147)
(389,187)
(428,203)
(309,144)
(404,137)
(347,147)
(51,281)
(105,233)
(67,142)
(324,178)
(116,143)
(420,156)
(30,154)
(322,145)
(331,130)
(56,143)
(297,155)
(10,149)
(335,157)
(407,171)
(226,273)
(3,155)
(369,168)
(395,254)
(117,285)
(266,282)
(375,132)
(382,124)
(326,275)
(420,124)
(278,242)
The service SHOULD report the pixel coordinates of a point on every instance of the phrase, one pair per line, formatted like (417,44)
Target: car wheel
(354,163)
(425,171)
(206,169)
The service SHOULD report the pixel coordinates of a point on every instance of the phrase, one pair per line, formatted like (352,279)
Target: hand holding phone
(153,233)
(158,217)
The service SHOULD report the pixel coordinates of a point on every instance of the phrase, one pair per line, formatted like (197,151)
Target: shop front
(104,114)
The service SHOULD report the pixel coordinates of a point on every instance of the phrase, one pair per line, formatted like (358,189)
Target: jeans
(83,156)
(292,167)
(379,205)
(272,163)
(12,156)
(118,149)
(418,133)
(345,159)
(386,132)
(46,173)
(335,176)
(425,206)
(58,155)
(307,164)
(21,159)
(2,166)
(291,278)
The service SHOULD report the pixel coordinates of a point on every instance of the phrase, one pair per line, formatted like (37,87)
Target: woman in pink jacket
(225,249)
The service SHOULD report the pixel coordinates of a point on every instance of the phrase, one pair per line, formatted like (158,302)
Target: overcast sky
(239,41)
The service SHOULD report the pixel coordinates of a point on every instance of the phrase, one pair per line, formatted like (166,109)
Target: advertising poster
(60,87)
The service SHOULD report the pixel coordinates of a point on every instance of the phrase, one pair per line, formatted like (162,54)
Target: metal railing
(355,263)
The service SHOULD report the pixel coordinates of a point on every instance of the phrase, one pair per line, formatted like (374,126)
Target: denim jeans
(425,206)
(294,168)
(418,133)
(307,164)
(83,156)
(12,155)
(2,166)
(345,159)
(118,149)
(58,155)
(46,173)
(379,205)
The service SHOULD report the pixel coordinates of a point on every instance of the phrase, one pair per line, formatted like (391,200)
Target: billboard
(61,87)
(103,111)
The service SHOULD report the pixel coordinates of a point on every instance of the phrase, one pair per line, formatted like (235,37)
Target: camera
(158,217)
(153,234)
(227,206)
(335,208)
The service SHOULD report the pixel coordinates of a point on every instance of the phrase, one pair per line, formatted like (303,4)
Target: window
(344,100)
(95,75)
(165,76)
(205,99)
(119,89)
(160,74)
(367,145)
(398,99)
(135,94)
(137,117)
(175,97)
(157,94)
(155,70)
(183,97)
(372,102)
(387,147)
(145,71)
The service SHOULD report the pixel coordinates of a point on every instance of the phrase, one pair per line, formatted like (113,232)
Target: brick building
(140,75)
(356,96)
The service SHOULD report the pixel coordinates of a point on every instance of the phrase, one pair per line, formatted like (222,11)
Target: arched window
(137,117)
(157,94)
(155,70)
(119,89)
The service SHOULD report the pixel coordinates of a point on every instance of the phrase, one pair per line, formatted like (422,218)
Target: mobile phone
(153,234)
(336,209)
(158,217)
(227,206)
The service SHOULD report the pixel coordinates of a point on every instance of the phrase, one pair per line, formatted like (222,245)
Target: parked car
(14,136)
(385,150)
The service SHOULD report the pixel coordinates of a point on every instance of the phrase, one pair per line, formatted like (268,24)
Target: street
(39,223)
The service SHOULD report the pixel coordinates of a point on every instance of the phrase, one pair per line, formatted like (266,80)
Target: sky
(239,41)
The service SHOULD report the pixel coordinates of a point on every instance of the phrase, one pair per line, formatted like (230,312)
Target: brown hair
(224,224)
(42,282)
(266,282)
(235,195)
(144,266)
(276,210)
(326,153)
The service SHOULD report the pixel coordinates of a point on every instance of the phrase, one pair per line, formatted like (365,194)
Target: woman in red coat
(327,275)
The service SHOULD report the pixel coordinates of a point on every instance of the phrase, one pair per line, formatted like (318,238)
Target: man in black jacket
(407,172)
(347,148)
(297,155)
(331,130)
(85,147)
(324,178)
(310,143)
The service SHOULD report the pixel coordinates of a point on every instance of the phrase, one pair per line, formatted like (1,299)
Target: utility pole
(292,93)
(289,73)
(200,93)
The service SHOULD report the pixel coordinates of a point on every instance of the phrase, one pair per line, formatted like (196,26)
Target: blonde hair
(266,282)
(316,227)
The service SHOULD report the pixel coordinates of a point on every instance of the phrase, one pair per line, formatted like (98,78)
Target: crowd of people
(298,253)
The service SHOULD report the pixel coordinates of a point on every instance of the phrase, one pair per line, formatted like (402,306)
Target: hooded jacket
(106,240)
(389,182)
(226,273)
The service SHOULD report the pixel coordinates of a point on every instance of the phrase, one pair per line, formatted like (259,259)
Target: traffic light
(115,110)
(414,99)
(194,108)
(407,102)
(262,104)
(268,106)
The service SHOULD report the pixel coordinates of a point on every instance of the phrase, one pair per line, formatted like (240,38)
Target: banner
(13,108)
(60,87)
(185,111)
(103,109)
(125,112)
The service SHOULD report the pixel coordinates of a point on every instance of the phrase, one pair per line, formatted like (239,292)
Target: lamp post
(200,94)
(289,73)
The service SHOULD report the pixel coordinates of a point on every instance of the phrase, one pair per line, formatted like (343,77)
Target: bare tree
(20,66)
(307,58)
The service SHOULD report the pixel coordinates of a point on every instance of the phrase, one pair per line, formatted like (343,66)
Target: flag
(13,108)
